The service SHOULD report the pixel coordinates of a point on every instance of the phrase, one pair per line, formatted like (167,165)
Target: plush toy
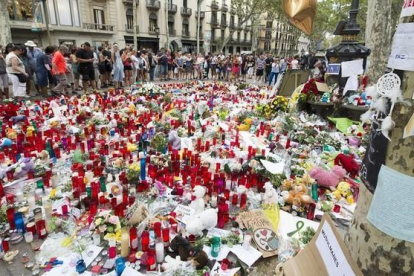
(25,165)
(171,264)
(344,190)
(5,142)
(11,134)
(298,195)
(205,220)
(348,163)
(174,140)
(327,179)
(43,157)
(270,196)
(198,202)
(326,97)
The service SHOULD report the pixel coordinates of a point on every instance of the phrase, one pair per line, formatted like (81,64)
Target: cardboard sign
(184,213)
(264,235)
(326,254)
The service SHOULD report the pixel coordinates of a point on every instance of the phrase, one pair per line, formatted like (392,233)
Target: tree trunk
(375,252)
(5,33)
(378,37)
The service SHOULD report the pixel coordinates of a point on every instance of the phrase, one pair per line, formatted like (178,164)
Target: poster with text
(408,8)
(402,50)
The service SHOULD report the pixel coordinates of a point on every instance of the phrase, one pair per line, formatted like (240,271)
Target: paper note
(273,168)
(217,271)
(131,272)
(331,253)
(408,8)
(321,86)
(352,68)
(248,256)
(218,232)
(390,208)
(184,213)
(409,128)
(402,50)
(351,84)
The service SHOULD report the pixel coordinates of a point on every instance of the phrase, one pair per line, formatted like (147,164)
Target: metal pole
(198,25)
(134,9)
(46,11)
(167,43)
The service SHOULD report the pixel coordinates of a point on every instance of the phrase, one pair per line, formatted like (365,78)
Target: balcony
(214,5)
(172,8)
(101,28)
(130,28)
(232,10)
(248,28)
(185,33)
(239,27)
(172,32)
(186,11)
(214,23)
(202,14)
(130,2)
(153,5)
(232,25)
(224,8)
(223,24)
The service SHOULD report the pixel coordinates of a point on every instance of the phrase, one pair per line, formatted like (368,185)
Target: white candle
(19,196)
(32,202)
(89,176)
(125,244)
(159,251)
(246,241)
(28,237)
(214,201)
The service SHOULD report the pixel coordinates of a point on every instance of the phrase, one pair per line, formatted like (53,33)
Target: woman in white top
(199,66)
(16,72)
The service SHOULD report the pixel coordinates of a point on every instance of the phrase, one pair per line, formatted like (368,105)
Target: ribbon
(299,225)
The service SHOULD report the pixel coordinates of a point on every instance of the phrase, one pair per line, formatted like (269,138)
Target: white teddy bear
(198,203)
(205,220)
(270,196)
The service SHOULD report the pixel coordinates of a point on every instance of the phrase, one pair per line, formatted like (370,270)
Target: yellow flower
(53,193)
(98,222)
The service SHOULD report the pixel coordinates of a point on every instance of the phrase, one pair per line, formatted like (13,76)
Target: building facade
(108,21)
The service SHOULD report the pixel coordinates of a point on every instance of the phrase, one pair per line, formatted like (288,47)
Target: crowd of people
(63,70)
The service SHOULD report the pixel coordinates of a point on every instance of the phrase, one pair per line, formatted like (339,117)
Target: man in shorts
(59,69)
(4,80)
(260,66)
(85,58)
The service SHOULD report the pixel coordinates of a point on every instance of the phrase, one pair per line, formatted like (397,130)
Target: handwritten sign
(402,52)
(184,213)
(408,8)
(263,233)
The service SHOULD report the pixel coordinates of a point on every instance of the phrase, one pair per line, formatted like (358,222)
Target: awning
(141,39)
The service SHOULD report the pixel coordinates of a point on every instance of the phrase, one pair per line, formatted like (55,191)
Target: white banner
(402,51)
(408,8)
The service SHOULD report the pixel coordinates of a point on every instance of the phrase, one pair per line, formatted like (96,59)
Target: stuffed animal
(344,190)
(198,202)
(5,142)
(205,220)
(181,246)
(327,179)
(270,196)
(174,140)
(25,165)
(297,195)
(348,163)
(171,264)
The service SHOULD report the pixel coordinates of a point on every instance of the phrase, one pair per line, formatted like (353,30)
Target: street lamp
(349,49)
(157,33)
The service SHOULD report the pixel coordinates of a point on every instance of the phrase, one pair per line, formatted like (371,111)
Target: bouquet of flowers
(107,224)
(133,172)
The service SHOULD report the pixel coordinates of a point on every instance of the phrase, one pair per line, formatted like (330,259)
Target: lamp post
(134,10)
(349,48)
(157,33)
(198,25)
(46,11)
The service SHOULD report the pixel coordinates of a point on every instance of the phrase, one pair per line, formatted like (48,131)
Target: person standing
(59,70)
(4,79)
(16,72)
(294,63)
(152,65)
(43,70)
(32,51)
(118,67)
(126,60)
(275,71)
(85,58)
(260,66)
(108,65)
(75,70)
(101,67)
(268,67)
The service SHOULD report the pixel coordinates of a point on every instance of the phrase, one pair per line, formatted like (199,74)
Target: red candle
(145,241)
(243,200)
(311,211)
(234,199)
(41,229)
(5,245)
(151,263)
(166,236)
(157,229)
(10,217)
(133,238)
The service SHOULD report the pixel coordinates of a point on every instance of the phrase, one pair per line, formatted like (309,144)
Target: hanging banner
(402,50)
(408,8)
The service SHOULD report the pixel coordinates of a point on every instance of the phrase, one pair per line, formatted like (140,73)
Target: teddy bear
(327,179)
(298,195)
(171,264)
(270,196)
(25,165)
(198,203)
(205,220)
(5,142)
(348,163)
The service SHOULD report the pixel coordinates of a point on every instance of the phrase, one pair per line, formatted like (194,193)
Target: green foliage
(307,235)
